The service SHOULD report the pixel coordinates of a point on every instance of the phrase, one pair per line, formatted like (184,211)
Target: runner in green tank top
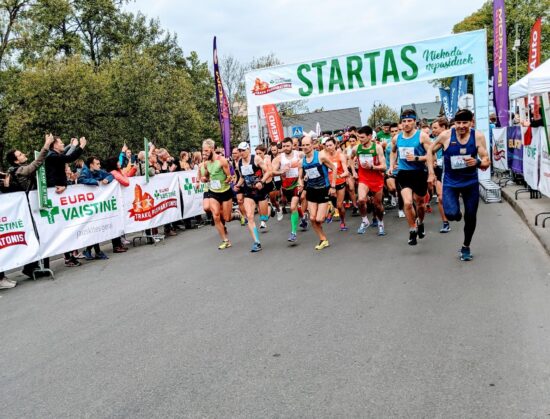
(221,196)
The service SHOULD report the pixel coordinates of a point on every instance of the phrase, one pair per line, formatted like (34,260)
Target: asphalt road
(370,327)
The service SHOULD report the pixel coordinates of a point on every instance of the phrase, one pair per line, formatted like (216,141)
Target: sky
(301,30)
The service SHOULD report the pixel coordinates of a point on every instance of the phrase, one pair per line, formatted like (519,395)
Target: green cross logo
(49,212)
(188,186)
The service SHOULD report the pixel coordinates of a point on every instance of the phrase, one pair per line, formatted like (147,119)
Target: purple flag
(500,64)
(223,106)
(515,149)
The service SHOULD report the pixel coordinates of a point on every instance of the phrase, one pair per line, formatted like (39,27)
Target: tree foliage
(381,113)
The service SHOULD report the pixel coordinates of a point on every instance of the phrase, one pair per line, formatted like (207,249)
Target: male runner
(235,157)
(314,169)
(350,182)
(221,196)
(339,160)
(254,175)
(371,167)
(263,209)
(395,195)
(464,150)
(412,144)
(438,126)
(286,165)
(276,193)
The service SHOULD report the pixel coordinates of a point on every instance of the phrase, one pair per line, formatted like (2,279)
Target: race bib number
(293,172)
(439,162)
(246,170)
(277,178)
(364,159)
(457,162)
(313,173)
(215,184)
(403,151)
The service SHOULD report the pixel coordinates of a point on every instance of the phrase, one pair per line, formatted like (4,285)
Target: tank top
(410,146)
(290,178)
(217,177)
(455,172)
(367,155)
(250,172)
(339,168)
(317,173)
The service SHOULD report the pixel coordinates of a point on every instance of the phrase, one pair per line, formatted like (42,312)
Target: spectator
(72,177)
(197,160)
(112,165)
(184,161)
(93,175)
(140,165)
(55,163)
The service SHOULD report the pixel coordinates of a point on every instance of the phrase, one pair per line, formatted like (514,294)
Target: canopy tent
(534,83)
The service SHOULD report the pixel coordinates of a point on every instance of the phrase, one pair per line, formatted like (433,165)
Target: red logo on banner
(274,123)
(14,238)
(144,208)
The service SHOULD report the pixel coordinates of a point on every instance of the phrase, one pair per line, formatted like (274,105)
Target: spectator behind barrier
(55,163)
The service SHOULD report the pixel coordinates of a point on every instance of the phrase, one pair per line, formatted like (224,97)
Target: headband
(408,116)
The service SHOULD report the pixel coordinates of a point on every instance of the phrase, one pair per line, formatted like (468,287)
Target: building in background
(426,112)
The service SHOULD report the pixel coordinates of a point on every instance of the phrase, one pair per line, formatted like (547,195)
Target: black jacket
(55,166)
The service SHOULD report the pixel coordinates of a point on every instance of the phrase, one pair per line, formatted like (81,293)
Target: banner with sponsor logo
(224,117)
(544,176)
(18,242)
(531,159)
(446,100)
(148,205)
(500,149)
(274,123)
(79,217)
(191,194)
(500,63)
(515,149)
(534,59)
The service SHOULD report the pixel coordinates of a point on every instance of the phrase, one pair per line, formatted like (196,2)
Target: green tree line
(89,68)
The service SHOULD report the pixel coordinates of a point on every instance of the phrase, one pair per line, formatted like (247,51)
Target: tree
(381,113)
(12,16)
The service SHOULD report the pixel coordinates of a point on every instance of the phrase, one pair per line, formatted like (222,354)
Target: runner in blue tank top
(314,169)
(438,126)
(411,146)
(464,151)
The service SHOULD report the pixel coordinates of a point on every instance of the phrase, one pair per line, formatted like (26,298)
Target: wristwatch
(416,158)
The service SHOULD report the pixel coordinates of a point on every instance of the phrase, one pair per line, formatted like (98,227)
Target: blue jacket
(91,177)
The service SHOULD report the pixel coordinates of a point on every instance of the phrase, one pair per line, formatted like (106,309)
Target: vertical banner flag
(531,159)
(462,87)
(500,64)
(500,149)
(515,149)
(274,124)
(534,58)
(18,242)
(446,100)
(223,106)
(544,177)
(41,184)
(453,94)
(192,195)
(146,148)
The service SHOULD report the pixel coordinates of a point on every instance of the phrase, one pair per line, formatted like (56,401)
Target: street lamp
(374,105)
(515,48)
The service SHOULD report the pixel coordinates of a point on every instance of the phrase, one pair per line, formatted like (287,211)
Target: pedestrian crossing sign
(297,131)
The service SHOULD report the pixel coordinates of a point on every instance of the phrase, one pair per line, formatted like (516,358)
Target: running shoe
(355,212)
(446,228)
(72,262)
(256,247)
(101,256)
(336,215)
(362,228)
(273,212)
(263,225)
(429,208)
(280,215)
(343,227)
(465,254)
(226,244)
(412,238)
(401,214)
(5,284)
(243,221)
(328,220)
(322,244)
(303,224)
(381,231)
(292,238)
(421,232)
(87,255)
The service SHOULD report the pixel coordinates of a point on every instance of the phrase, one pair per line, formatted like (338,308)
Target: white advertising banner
(149,205)
(192,195)
(81,216)
(18,242)
(531,159)
(544,176)
(500,149)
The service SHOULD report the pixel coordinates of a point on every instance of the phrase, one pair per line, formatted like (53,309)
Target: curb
(517,208)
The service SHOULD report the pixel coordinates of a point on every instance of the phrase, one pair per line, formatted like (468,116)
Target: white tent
(534,83)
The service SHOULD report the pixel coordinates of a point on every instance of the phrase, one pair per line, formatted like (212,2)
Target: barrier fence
(84,215)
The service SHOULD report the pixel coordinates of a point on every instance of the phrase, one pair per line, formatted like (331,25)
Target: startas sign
(424,60)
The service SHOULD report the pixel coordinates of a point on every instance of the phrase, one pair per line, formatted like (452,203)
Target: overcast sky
(300,30)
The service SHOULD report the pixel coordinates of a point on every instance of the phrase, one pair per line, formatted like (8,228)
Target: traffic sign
(297,131)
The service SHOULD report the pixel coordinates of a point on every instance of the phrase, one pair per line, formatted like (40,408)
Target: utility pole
(515,48)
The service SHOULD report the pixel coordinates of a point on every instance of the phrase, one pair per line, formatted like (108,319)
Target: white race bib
(246,170)
(439,162)
(403,151)
(457,162)
(215,184)
(277,178)
(292,173)
(313,173)
(364,159)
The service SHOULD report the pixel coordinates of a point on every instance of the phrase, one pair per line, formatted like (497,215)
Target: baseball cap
(243,146)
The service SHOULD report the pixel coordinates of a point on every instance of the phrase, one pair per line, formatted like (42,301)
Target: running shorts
(416,180)
(222,197)
(290,193)
(317,196)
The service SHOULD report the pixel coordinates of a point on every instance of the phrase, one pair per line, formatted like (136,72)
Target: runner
(235,157)
(350,181)
(314,169)
(391,184)
(464,150)
(221,197)
(286,165)
(202,174)
(276,193)
(438,126)
(339,160)
(263,206)
(412,144)
(371,167)
(253,177)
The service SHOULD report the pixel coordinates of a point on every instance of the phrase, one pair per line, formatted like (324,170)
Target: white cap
(243,146)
